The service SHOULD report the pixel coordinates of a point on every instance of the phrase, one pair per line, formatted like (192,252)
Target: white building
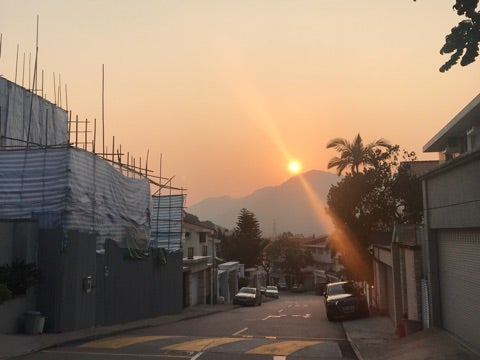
(451,195)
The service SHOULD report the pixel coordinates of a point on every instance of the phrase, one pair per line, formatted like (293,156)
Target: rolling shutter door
(459,270)
(194,289)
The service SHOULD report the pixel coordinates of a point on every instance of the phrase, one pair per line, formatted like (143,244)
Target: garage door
(194,289)
(459,270)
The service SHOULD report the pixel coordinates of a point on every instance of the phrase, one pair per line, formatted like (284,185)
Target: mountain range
(297,206)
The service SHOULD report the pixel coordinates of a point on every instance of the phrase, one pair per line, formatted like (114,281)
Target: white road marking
(240,331)
(197,355)
(273,316)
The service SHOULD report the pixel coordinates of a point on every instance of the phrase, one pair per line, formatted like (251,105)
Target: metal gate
(459,271)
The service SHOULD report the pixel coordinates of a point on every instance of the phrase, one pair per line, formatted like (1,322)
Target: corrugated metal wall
(139,288)
(64,300)
(122,289)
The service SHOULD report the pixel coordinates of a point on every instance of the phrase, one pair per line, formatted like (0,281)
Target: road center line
(240,331)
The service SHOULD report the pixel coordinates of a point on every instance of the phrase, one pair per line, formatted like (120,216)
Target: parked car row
(253,296)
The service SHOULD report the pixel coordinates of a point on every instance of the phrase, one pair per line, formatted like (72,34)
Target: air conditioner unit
(452,148)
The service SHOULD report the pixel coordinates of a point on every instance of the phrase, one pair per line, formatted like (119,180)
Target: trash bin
(34,322)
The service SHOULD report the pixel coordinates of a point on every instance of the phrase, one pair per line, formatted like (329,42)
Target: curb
(354,346)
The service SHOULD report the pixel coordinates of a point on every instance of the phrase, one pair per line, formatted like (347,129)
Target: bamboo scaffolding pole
(23,71)
(86,132)
(103,107)
(46,127)
(76,131)
(29,69)
(66,98)
(34,81)
(94,135)
(16,65)
(54,89)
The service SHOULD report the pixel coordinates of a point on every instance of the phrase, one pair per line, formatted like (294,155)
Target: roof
(194,220)
(382,239)
(419,168)
(311,240)
(469,116)
(197,227)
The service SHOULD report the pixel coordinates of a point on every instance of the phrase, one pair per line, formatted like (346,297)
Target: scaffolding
(29,121)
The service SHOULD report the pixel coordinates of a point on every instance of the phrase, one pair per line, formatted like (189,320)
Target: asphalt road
(291,327)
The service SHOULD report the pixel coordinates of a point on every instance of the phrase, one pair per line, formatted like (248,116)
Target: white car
(271,291)
(248,296)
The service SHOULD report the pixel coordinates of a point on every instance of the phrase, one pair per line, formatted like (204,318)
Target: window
(190,252)
(202,236)
(204,250)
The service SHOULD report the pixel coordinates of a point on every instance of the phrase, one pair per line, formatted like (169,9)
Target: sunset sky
(229,92)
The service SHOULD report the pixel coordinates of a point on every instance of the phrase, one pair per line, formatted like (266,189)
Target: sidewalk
(371,338)
(375,338)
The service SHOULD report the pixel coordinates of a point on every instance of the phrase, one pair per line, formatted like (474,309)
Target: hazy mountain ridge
(285,207)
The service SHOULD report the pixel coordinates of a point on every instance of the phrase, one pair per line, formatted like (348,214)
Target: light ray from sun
(253,103)
(250,99)
(317,204)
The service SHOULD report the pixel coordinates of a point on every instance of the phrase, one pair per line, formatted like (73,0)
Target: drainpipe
(397,279)
(430,261)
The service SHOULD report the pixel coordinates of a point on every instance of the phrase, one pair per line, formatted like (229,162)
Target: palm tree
(354,154)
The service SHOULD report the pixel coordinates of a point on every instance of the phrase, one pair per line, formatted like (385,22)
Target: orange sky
(227,92)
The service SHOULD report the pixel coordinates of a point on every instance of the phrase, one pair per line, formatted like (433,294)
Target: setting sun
(294,167)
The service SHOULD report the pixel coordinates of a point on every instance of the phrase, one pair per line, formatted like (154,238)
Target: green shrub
(18,276)
(5,293)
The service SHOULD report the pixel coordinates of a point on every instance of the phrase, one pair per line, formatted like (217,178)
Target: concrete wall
(451,199)
(453,194)
(199,280)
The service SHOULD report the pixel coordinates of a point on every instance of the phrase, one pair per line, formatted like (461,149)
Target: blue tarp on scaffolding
(166,223)
(73,189)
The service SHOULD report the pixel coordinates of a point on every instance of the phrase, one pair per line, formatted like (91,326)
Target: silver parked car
(271,291)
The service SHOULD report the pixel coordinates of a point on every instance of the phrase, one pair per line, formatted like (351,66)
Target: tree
(353,155)
(462,42)
(288,255)
(372,201)
(246,244)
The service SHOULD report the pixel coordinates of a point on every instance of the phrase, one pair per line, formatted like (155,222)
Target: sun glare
(294,167)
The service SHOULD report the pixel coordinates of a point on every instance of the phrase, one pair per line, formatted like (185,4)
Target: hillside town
(94,231)
(371,253)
